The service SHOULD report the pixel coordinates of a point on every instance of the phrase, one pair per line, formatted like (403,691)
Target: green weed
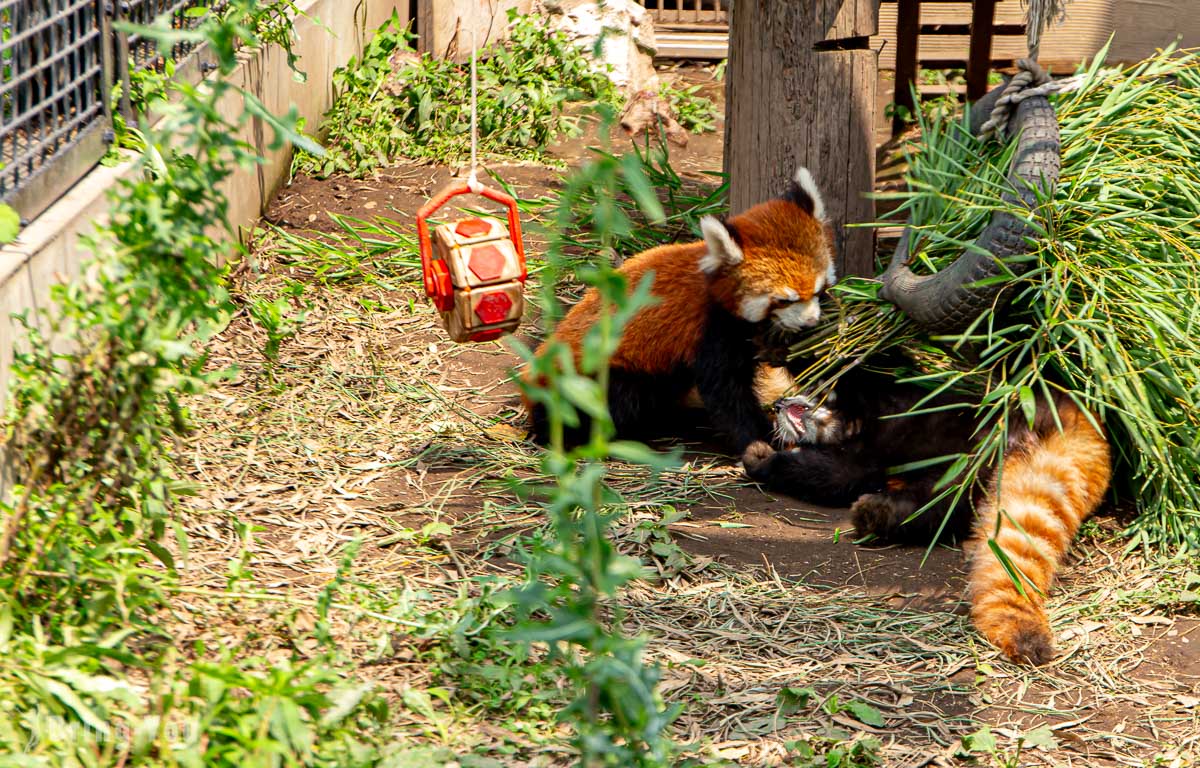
(89,542)
(695,113)
(840,751)
(575,573)
(393,103)
(983,743)
(281,317)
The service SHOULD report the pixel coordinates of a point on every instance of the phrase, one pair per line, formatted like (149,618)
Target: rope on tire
(1031,80)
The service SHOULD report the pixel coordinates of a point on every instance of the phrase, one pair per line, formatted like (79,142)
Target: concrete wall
(48,249)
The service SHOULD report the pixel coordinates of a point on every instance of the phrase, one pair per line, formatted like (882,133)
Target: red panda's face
(773,261)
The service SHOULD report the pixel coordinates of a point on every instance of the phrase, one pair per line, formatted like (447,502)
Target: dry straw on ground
(372,426)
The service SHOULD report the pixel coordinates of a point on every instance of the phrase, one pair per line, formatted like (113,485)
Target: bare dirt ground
(373,425)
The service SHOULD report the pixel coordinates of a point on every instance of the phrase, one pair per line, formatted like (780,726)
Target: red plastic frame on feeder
(474,268)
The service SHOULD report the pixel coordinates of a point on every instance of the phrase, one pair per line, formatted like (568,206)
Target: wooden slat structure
(801,92)
(932,33)
(945,33)
(688,12)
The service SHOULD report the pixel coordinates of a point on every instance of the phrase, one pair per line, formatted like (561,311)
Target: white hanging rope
(473,179)
(1038,15)
(1030,80)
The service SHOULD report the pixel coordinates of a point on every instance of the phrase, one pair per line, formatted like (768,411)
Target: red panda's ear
(803,192)
(723,250)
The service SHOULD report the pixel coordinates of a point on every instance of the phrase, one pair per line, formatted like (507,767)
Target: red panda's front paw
(757,460)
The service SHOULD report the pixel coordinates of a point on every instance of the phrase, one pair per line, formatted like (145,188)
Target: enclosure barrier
(60,62)
(687,12)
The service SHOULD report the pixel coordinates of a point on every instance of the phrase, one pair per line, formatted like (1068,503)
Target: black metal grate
(182,15)
(52,82)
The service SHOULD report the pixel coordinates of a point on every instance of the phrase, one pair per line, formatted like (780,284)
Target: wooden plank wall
(1138,28)
(948,50)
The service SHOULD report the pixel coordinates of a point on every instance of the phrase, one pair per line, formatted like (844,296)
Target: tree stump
(800,90)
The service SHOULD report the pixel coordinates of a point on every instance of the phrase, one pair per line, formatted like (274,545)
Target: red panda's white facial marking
(799,315)
(802,420)
(754,308)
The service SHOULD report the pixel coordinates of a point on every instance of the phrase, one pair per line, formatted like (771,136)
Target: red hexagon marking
(486,261)
(494,307)
(472,228)
(494,333)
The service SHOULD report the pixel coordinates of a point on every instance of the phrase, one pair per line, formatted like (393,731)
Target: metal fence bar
(59,60)
(144,50)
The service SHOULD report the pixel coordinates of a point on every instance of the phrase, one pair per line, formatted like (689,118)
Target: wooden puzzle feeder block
(474,268)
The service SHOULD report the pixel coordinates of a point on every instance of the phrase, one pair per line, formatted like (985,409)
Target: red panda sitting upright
(769,264)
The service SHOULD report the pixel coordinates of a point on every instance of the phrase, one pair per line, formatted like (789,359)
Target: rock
(627,56)
(647,112)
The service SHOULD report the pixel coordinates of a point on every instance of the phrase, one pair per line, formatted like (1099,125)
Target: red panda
(1051,481)
(770,264)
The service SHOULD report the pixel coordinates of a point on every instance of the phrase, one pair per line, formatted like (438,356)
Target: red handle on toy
(437,281)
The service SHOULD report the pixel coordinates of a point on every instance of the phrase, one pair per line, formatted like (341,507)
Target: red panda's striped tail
(1047,489)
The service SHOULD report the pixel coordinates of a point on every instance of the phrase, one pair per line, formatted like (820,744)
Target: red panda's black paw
(757,460)
(874,514)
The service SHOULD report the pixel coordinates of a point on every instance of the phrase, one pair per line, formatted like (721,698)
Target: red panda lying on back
(768,265)
(1055,472)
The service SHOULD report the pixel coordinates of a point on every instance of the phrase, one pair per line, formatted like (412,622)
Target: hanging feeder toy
(474,268)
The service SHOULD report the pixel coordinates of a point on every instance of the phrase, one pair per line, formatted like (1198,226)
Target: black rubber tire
(947,302)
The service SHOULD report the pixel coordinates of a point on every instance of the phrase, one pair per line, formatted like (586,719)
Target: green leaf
(981,741)
(1028,404)
(1041,737)
(640,189)
(637,453)
(419,701)
(284,128)
(1008,566)
(791,700)
(10,224)
(344,701)
(865,713)
(585,394)
(71,701)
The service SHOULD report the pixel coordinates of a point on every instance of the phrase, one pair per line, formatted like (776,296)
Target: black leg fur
(725,368)
(884,514)
(831,475)
(641,407)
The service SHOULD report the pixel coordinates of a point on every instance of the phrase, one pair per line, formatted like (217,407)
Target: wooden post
(908,35)
(444,26)
(979,61)
(801,91)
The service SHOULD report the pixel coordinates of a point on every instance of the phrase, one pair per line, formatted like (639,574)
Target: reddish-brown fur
(780,248)
(1048,487)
